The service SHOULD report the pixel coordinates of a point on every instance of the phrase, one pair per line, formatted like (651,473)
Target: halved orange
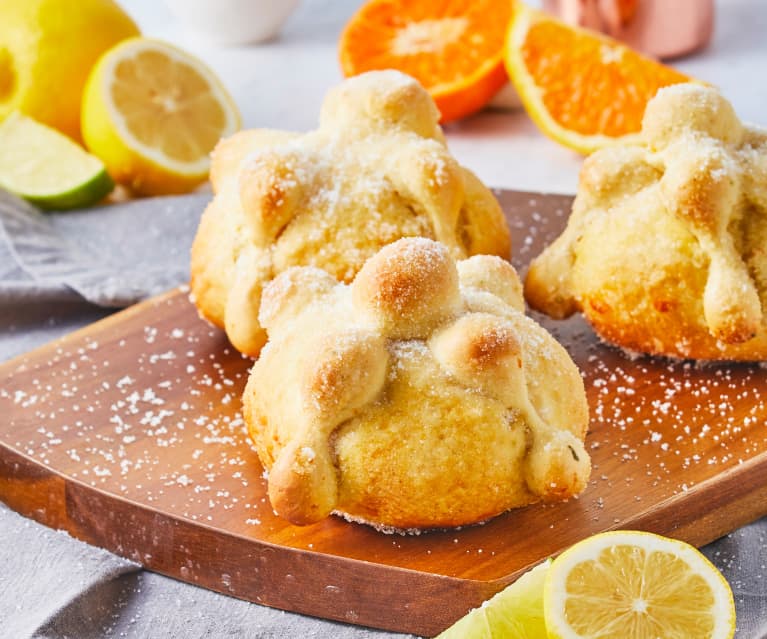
(581,88)
(454,48)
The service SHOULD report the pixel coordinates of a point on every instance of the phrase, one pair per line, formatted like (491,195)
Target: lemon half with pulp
(153,113)
(623,584)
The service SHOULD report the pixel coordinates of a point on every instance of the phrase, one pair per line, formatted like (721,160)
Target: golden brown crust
(407,288)
(376,170)
(664,250)
(419,396)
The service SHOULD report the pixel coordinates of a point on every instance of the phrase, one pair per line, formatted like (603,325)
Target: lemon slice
(153,114)
(635,584)
(47,168)
(514,613)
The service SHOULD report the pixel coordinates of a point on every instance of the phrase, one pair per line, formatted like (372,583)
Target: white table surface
(280,84)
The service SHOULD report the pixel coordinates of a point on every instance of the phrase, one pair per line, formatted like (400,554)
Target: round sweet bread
(665,251)
(377,169)
(418,396)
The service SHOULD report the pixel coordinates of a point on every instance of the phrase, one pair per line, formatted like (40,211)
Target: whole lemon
(47,49)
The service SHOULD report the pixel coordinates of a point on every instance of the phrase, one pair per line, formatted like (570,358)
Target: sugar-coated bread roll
(376,170)
(418,396)
(665,251)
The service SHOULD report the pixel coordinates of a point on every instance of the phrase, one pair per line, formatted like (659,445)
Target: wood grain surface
(128,435)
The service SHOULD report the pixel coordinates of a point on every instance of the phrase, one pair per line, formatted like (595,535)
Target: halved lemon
(624,584)
(153,114)
(581,88)
(514,613)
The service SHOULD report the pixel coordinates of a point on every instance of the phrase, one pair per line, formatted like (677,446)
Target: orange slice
(581,88)
(453,48)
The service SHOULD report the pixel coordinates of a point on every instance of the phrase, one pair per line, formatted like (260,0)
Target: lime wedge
(47,168)
(514,613)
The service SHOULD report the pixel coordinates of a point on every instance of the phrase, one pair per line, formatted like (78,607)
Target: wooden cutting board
(127,434)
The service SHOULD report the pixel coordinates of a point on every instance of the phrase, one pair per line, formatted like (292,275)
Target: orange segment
(583,89)
(453,48)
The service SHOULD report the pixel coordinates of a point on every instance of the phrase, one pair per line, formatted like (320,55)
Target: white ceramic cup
(233,21)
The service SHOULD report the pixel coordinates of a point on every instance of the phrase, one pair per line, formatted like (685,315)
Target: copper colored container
(661,28)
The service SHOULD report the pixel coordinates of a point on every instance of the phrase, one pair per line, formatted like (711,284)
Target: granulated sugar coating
(140,415)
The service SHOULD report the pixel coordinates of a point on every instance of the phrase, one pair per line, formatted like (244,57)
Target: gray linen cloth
(60,271)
